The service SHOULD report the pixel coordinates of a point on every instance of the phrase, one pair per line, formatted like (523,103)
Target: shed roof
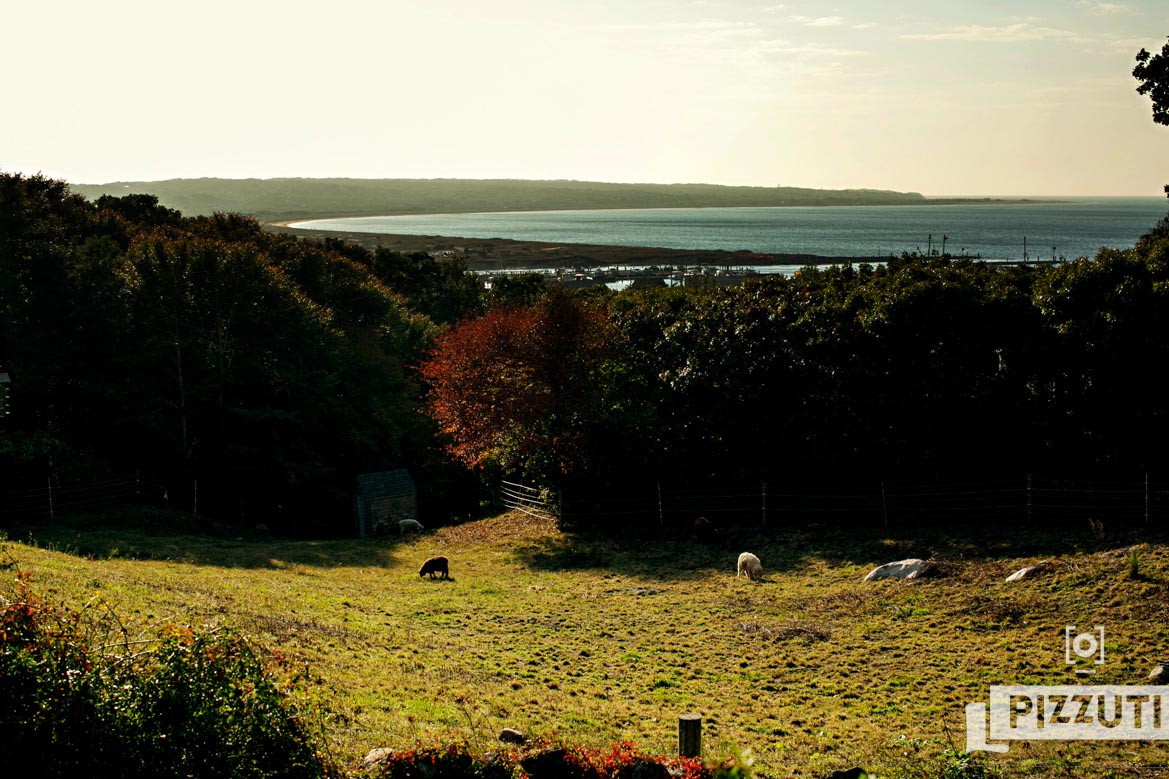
(386,484)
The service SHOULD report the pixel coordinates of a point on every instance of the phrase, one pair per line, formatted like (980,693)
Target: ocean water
(1069,229)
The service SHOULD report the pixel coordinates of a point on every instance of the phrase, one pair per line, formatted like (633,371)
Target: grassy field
(591,640)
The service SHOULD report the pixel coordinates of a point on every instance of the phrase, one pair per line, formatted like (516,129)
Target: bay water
(1068,228)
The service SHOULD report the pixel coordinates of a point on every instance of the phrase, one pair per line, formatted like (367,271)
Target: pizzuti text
(1066,712)
(1108,711)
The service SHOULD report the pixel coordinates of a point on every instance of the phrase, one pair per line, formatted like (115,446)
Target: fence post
(690,735)
(50,480)
(661,516)
(764,504)
(195,500)
(884,504)
(1028,499)
(1146,498)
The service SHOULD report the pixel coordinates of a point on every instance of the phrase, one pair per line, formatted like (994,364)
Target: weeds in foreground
(963,765)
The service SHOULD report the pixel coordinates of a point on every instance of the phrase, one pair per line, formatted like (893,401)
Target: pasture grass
(590,640)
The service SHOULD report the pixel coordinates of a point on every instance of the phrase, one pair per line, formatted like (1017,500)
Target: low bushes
(83,698)
(546,761)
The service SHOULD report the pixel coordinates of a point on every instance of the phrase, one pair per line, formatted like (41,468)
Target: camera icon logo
(1088,645)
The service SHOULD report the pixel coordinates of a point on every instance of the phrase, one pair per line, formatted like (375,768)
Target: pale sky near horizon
(943,97)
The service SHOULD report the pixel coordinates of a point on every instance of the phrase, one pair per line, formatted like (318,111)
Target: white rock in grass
(1029,571)
(512,736)
(912,568)
(377,758)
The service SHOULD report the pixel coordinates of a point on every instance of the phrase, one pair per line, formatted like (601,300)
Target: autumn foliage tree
(523,388)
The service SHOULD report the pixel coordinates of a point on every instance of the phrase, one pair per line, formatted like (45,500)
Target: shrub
(454,761)
(182,704)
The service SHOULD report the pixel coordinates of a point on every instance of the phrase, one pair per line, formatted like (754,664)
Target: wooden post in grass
(690,735)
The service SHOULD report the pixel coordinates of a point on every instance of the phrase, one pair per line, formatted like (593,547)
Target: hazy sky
(934,96)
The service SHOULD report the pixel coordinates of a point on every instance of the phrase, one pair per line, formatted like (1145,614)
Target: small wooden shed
(382,501)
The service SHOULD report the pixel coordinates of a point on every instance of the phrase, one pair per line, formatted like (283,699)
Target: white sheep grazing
(750,566)
(410,524)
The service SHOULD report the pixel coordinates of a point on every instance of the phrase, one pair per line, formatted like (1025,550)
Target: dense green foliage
(275,199)
(1152,71)
(81,698)
(268,370)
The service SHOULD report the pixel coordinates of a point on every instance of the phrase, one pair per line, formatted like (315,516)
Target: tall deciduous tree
(522,388)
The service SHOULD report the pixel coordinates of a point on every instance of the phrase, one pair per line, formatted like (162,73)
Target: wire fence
(1025,499)
(55,500)
(528,500)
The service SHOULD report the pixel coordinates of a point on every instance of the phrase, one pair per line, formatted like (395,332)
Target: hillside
(302,198)
(591,640)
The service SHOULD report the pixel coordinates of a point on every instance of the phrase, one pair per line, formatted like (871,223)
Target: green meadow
(589,640)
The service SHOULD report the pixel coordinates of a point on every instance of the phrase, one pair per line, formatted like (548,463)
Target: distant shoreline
(494,254)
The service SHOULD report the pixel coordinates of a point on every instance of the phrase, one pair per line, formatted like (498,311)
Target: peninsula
(293,199)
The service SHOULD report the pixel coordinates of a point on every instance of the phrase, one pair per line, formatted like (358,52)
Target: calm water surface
(992,232)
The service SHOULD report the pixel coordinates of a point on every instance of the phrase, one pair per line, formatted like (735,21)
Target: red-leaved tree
(521,388)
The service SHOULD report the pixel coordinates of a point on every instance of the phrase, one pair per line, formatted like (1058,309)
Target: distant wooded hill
(287,199)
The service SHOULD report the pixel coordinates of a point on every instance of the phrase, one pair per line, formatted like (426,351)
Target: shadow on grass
(641,555)
(665,553)
(157,535)
(652,552)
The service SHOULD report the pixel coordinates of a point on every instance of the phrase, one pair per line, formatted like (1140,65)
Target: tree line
(262,371)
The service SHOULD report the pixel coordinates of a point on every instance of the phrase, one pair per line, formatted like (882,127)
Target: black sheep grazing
(704,530)
(435,565)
